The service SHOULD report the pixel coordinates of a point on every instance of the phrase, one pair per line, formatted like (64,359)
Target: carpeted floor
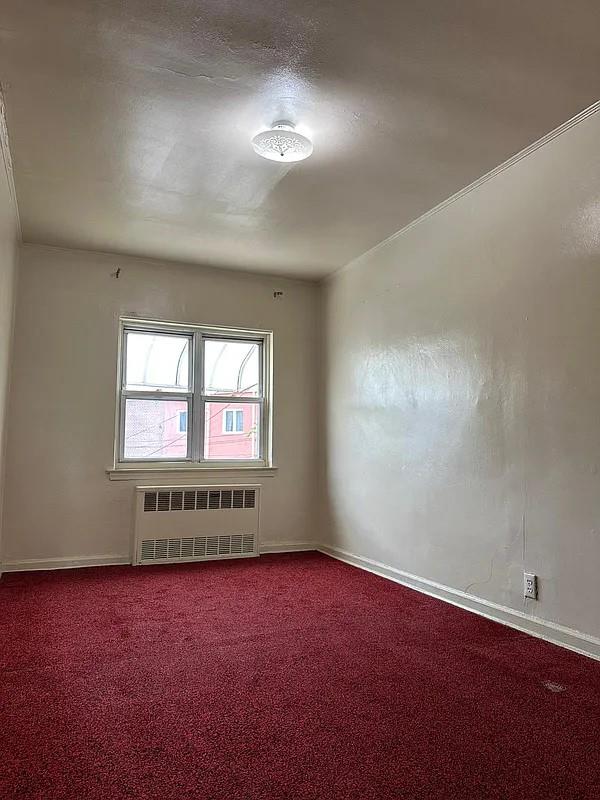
(290,676)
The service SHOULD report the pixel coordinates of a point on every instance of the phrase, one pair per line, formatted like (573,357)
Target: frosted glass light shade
(282,143)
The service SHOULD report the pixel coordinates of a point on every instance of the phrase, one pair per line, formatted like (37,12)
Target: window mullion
(197,426)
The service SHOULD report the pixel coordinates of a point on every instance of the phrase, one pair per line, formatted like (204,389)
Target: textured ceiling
(130,120)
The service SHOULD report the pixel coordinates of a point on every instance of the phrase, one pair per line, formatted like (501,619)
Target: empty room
(299,400)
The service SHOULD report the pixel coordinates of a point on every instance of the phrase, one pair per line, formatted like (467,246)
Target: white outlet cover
(530,585)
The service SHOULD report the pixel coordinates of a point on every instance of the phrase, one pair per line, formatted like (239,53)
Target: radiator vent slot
(192,547)
(199,500)
(161,549)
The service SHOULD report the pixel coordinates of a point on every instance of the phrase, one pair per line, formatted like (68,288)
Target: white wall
(8,273)
(463,390)
(60,503)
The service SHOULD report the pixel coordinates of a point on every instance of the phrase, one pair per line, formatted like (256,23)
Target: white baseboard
(542,629)
(30,565)
(286,547)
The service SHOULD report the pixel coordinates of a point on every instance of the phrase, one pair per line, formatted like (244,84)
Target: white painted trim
(31,565)
(193,473)
(540,628)
(286,547)
(510,162)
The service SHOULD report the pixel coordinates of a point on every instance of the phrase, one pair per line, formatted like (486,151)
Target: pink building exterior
(231,431)
(158,429)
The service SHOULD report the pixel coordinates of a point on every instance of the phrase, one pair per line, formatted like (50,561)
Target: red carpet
(282,677)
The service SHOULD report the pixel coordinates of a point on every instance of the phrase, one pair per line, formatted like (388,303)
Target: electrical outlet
(530,585)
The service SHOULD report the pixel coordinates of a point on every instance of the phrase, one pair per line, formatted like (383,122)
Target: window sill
(197,473)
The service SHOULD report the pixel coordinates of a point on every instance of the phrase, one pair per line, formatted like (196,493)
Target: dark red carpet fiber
(289,676)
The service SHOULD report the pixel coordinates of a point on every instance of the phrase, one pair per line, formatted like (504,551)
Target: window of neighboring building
(233,421)
(185,389)
(183,421)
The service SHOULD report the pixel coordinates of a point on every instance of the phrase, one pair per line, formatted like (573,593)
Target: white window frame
(196,397)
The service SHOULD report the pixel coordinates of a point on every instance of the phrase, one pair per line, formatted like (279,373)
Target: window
(192,394)
(233,421)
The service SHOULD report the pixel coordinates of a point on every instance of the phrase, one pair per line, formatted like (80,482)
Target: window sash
(165,390)
(222,432)
(247,340)
(132,395)
(196,397)
(231,401)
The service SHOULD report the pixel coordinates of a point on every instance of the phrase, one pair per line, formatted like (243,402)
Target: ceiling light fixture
(282,143)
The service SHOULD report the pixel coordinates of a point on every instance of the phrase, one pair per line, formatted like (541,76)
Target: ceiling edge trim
(510,162)
(8,167)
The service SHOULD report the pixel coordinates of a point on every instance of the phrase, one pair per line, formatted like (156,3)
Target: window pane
(231,368)
(157,361)
(152,429)
(223,441)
